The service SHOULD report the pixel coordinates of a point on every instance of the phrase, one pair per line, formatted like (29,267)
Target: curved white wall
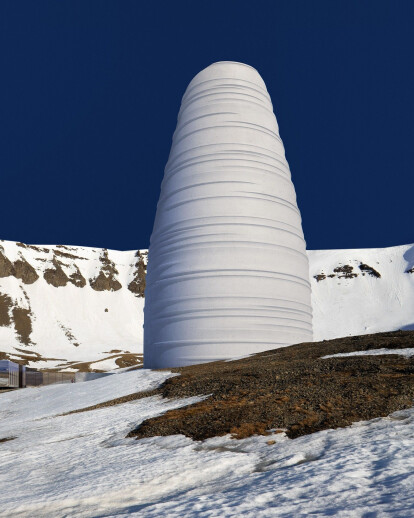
(228,273)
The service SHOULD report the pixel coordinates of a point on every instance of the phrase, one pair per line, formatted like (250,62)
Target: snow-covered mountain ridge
(356,292)
(71,307)
(82,308)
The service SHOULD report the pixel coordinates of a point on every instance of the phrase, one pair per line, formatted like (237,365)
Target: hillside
(79,463)
(300,389)
(80,308)
(66,307)
(357,292)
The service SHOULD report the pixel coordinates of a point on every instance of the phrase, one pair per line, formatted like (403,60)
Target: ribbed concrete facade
(228,273)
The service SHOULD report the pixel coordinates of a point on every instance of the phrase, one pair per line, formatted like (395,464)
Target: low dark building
(9,374)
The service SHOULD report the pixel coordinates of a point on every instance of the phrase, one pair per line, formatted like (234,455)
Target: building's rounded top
(227,71)
(231,63)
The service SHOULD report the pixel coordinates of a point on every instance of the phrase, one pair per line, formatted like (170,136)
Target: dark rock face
(137,285)
(6,266)
(56,276)
(369,270)
(25,271)
(5,305)
(345,272)
(106,279)
(23,324)
(291,388)
(77,279)
(20,269)
(11,313)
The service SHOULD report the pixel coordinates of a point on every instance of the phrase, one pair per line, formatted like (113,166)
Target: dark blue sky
(90,92)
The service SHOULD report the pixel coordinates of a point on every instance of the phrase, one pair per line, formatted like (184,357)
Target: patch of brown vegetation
(114,402)
(137,285)
(123,360)
(24,357)
(22,324)
(106,279)
(291,388)
(249,429)
(28,356)
(129,360)
(5,306)
(319,277)
(78,366)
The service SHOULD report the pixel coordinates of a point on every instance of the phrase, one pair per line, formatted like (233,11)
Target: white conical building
(228,273)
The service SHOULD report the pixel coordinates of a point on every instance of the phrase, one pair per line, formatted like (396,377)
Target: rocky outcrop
(137,285)
(365,268)
(76,278)
(23,324)
(12,314)
(24,271)
(346,271)
(6,266)
(6,304)
(45,297)
(106,279)
(56,276)
(20,269)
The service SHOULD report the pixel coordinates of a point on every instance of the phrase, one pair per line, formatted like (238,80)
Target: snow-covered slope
(81,465)
(78,307)
(62,306)
(356,292)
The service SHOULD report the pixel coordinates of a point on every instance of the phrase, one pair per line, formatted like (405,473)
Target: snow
(363,304)
(70,323)
(375,352)
(81,465)
(52,399)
